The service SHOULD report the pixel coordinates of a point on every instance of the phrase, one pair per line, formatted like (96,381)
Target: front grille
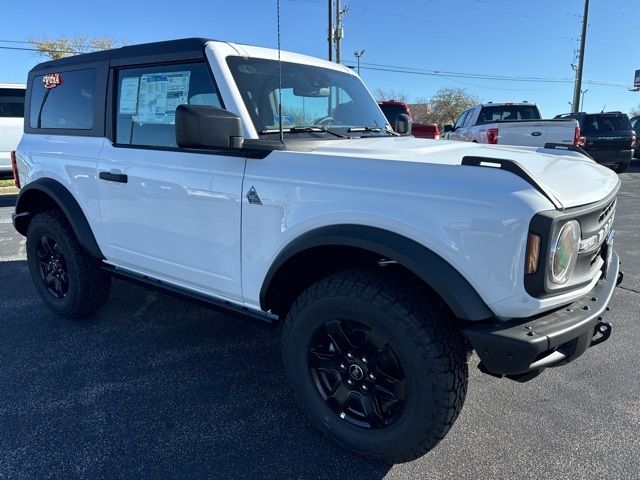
(607,210)
(595,223)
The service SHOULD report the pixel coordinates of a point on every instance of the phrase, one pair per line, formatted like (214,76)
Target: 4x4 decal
(253,197)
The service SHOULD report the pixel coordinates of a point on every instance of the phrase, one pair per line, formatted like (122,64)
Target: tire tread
(420,313)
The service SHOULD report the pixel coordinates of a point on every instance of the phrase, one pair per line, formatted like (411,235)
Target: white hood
(571,178)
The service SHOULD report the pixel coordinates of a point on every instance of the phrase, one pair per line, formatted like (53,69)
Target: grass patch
(6,183)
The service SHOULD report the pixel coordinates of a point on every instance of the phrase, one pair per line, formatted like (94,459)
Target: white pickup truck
(387,258)
(11,119)
(511,124)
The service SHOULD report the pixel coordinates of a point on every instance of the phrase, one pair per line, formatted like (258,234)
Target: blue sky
(515,38)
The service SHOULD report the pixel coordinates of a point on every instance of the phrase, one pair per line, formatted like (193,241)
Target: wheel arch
(360,245)
(47,194)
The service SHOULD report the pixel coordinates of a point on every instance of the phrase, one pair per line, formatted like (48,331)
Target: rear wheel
(70,281)
(622,166)
(374,363)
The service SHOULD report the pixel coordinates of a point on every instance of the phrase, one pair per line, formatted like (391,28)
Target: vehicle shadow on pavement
(8,200)
(151,387)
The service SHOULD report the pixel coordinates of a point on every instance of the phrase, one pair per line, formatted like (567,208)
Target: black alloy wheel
(53,267)
(357,373)
(69,280)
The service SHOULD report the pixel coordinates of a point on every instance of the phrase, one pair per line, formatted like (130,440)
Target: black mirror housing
(448,128)
(403,124)
(204,126)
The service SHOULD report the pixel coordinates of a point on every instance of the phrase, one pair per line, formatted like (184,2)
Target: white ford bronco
(273,186)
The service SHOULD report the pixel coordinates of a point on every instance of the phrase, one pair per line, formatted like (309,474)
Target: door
(466,133)
(165,212)
(456,134)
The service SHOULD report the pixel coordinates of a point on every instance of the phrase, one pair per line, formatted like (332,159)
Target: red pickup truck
(392,109)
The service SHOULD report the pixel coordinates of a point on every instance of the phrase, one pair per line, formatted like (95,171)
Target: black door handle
(113,177)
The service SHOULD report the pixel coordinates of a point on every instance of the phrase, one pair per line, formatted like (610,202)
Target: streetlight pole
(358,54)
(583,39)
(582,102)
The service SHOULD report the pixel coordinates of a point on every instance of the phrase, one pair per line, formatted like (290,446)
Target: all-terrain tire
(87,286)
(622,166)
(416,325)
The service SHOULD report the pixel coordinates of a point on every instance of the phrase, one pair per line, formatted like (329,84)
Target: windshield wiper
(304,129)
(364,129)
(373,129)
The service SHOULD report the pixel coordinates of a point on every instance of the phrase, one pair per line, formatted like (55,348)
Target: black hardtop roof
(182,46)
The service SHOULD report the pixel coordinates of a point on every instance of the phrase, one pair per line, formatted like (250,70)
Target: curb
(9,191)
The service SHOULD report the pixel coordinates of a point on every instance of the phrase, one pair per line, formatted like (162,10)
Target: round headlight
(564,252)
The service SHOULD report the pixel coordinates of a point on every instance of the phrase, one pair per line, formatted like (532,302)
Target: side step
(216,304)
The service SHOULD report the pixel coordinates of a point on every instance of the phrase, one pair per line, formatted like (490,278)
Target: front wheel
(374,363)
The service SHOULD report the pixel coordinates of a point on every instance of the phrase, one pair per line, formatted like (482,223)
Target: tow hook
(601,333)
(620,277)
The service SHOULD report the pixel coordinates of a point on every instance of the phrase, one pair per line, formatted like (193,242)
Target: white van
(11,120)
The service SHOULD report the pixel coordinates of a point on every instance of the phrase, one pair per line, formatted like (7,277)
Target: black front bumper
(521,347)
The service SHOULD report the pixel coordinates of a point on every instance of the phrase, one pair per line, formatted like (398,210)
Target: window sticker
(52,80)
(129,95)
(160,94)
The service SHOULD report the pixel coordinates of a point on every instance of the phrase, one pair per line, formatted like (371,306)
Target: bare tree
(635,111)
(444,107)
(66,46)
(382,94)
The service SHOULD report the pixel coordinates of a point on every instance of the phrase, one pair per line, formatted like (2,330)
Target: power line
(474,76)
(401,69)
(25,49)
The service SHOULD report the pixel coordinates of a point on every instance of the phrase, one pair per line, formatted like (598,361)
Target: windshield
(605,123)
(508,112)
(311,96)
(391,111)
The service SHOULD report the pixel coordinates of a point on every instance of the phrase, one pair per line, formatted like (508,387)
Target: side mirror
(448,128)
(204,126)
(403,124)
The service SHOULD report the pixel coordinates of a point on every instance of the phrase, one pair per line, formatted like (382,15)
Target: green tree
(66,46)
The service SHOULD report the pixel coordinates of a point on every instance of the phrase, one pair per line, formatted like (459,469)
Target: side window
(63,100)
(145,110)
(461,119)
(11,102)
(467,120)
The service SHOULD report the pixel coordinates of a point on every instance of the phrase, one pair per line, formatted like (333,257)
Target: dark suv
(635,124)
(607,137)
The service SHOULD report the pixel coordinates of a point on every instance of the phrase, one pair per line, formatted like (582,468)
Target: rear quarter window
(67,105)
(11,102)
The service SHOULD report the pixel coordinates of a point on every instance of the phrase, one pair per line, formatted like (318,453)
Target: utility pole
(330,33)
(358,54)
(338,33)
(583,39)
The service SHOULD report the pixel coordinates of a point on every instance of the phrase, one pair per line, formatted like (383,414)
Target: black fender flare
(27,207)
(436,272)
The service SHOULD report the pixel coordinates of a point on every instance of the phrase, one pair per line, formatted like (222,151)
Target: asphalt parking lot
(155,387)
